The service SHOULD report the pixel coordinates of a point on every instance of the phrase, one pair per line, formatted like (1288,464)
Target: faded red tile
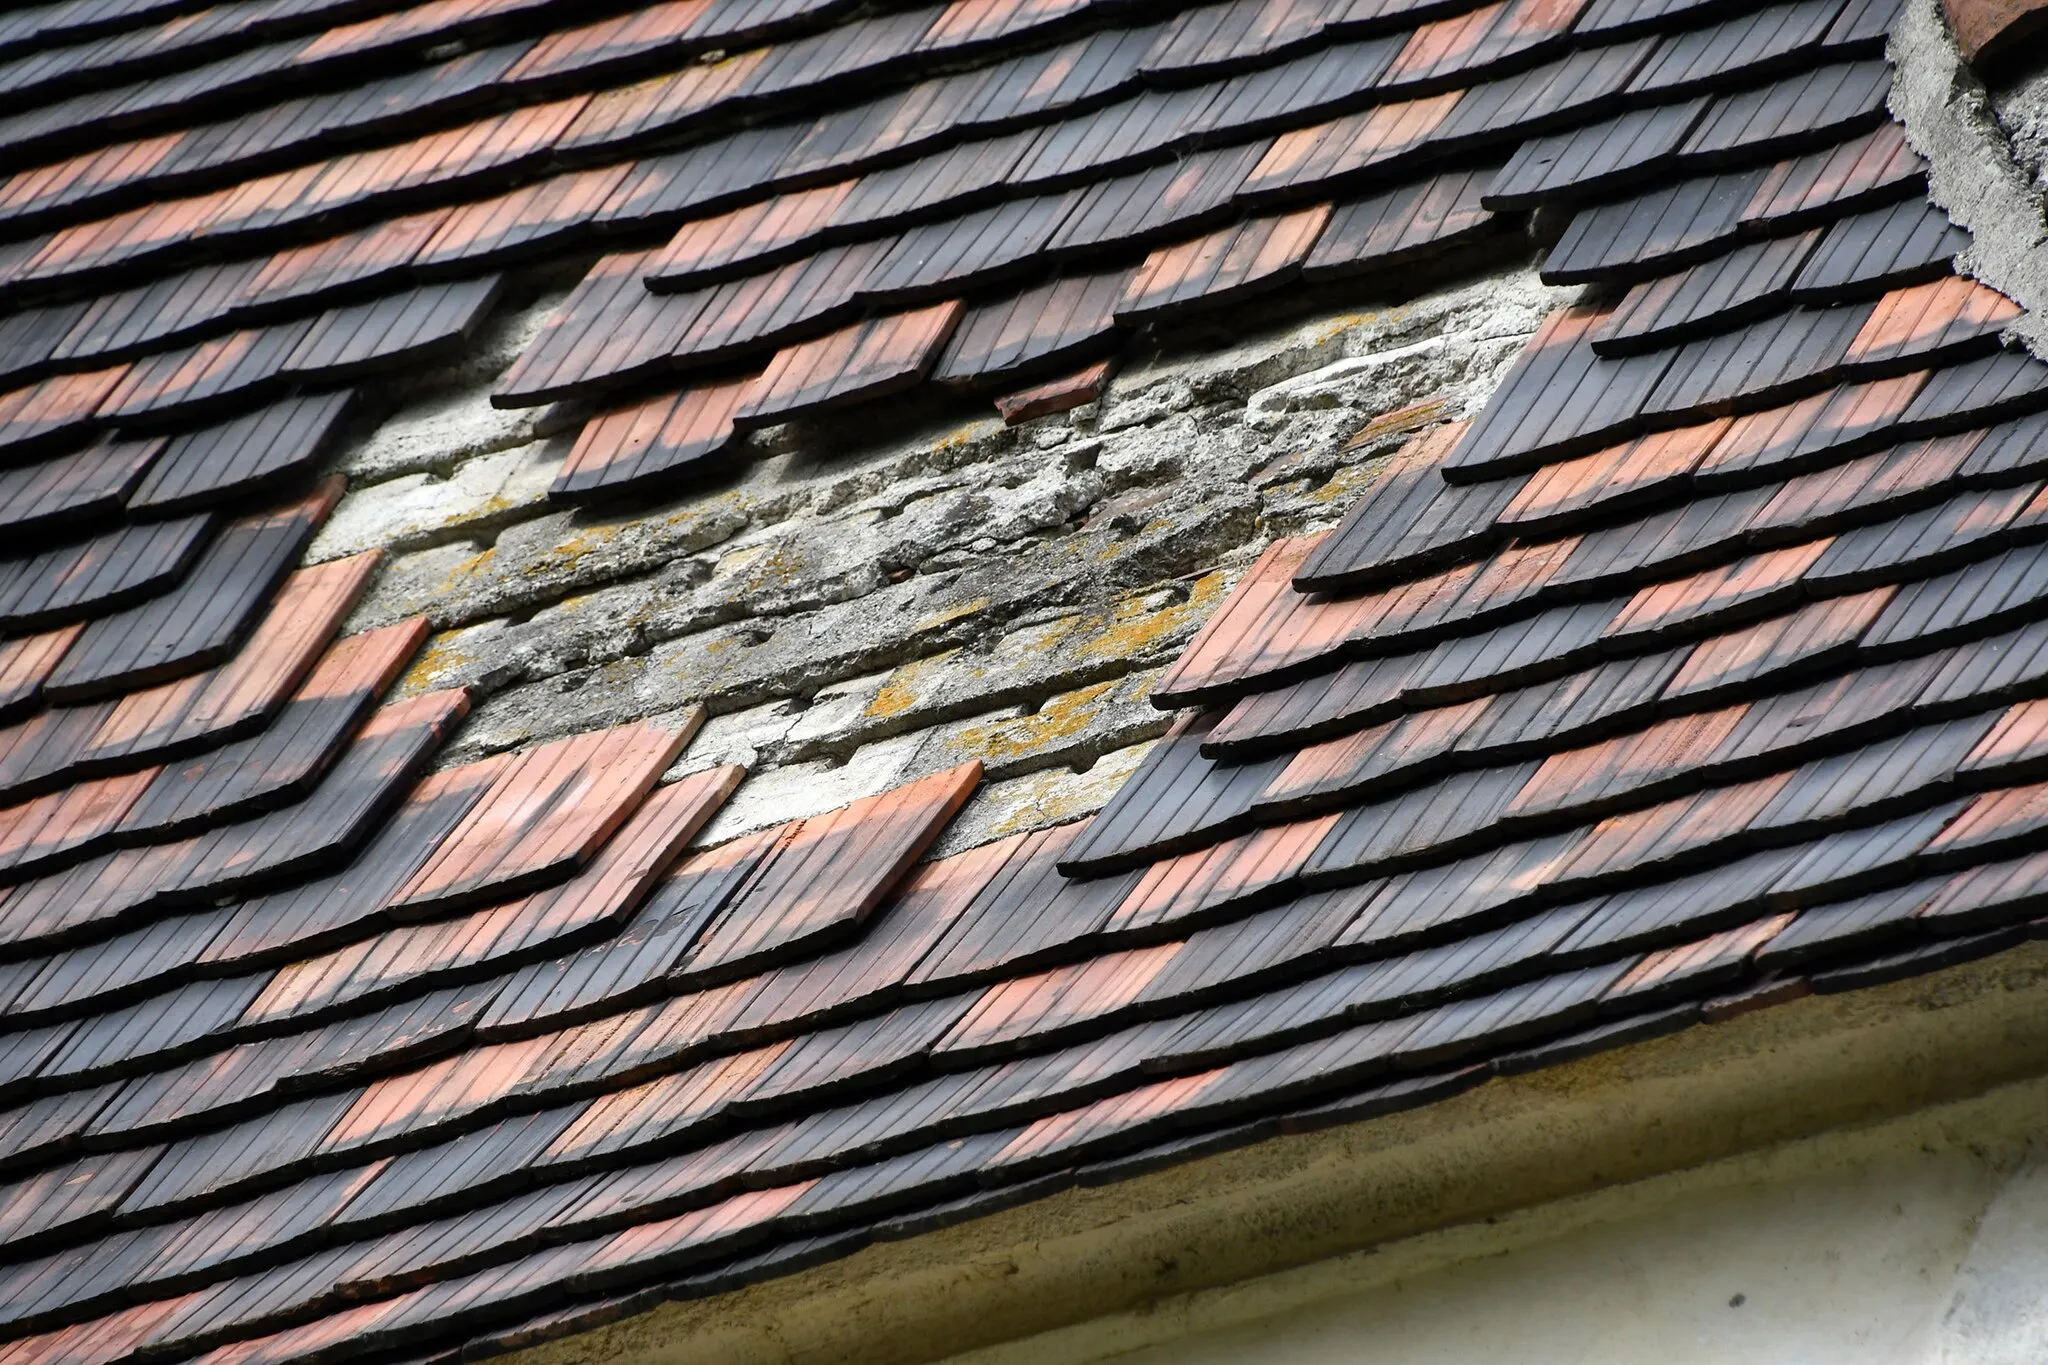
(437,1093)
(1104,1118)
(545,816)
(1225,873)
(1663,606)
(61,821)
(627,35)
(1309,156)
(1924,317)
(1643,837)
(1444,43)
(1042,1004)
(1750,653)
(663,1106)
(750,231)
(1056,395)
(26,660)
(829,872)
(1644,463)
(1856,167)
(308,607)
(1670,966)
(2020,736)
(1589,773)
(652,437)
(60,403)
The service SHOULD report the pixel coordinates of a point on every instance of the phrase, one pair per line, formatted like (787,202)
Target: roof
(1706,666)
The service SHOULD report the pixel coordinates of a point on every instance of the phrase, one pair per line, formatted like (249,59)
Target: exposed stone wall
(855,613)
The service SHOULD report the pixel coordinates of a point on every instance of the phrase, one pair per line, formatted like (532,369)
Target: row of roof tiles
(1703,668)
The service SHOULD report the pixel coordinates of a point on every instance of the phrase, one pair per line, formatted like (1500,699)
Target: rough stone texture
(857,618)
(415,511)
(1975,171)
(2022,106)
(446,415)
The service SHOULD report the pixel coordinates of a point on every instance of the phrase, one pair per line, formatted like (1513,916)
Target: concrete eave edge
(1971,175)
(1714,1091)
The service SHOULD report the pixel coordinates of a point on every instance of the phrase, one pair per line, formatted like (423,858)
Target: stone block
(419,510)
(801,789)
(1067,729)
(1036,800)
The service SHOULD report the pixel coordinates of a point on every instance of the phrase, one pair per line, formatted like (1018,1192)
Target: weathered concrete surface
(2022,107)
(858,617)
(1974,172)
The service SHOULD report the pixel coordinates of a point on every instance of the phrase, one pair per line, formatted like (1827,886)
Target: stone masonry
(854,614)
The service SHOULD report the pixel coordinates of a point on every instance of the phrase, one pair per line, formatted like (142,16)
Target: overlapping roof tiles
(1706,666)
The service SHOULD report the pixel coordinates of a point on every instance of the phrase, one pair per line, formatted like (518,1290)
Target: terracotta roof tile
(1328,152)
(633,965)
(305,611)
(1872,168)
(962,253)
(1883,246)
(1594,159)
(1827,101)
(403,328)
(103,573)
(862,361)
(87,485)
(1745,283)
(1560,399)
(1653,232)
(295,747)
(1026,911)
(1057,395)
(384,756)
(1720,54)
(1930,318)
(753,233)
(1382,231)
(786,903)
(1708,649)
(650,440)
(1260,253)
(198,624)
(1583,83)
(1040,326)
(543,817)
(270,444)
(26,660)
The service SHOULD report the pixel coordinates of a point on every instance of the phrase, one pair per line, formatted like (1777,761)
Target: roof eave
(1061,1263)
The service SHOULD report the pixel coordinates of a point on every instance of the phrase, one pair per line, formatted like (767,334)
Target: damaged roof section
(1705,666)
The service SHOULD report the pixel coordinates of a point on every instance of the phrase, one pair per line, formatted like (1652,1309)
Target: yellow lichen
(908,684)
(1346,483)
(1134,625)
(947,615)
(1059,719)
(440,658)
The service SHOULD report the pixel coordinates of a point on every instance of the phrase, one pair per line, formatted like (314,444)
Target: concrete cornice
(1063,1264)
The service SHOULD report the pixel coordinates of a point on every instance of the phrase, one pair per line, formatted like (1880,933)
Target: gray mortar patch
(1973,172)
